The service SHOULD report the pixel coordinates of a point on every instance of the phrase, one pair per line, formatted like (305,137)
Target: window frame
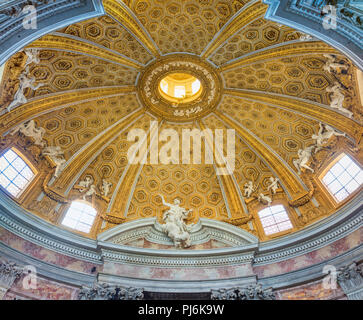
(30,165)
(63,216)
(325,189)
(279,233)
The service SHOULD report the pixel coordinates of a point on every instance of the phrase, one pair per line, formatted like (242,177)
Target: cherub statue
(60,165)
(274,185)
(29,129)
(32,57)
(304,156)
(264,199)
(175,226)
(52,151)
(85,184)
(56,154)
(337,99)
(331,64)
(324,134)
(19,97)
(91,191)
(106,186)
(248,189)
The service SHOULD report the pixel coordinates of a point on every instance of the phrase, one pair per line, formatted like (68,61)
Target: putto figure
(29,129)
(106,186)
(331,64)
(304,156)
(323,136)
(19,97)
(248,189)
(56,154)
(337,99)
(264,199)
(274,184)
(174,226)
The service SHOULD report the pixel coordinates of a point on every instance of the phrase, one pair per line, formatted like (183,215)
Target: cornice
(34,229)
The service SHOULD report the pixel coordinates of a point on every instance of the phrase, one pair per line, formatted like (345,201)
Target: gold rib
(123,194)
(246,16)
(290,49)
(54,101)
(123,14)
(231,189)
(289,179)
(306,108)
(79,45)
(81,159)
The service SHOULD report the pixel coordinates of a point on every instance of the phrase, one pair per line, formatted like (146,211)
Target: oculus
(180,87)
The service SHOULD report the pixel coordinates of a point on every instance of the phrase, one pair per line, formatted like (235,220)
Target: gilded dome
(103,78)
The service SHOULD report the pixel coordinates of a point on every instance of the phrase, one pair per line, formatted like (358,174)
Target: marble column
(351,281)
(9,273)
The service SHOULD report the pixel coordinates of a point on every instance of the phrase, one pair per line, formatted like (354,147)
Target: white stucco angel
(85,184)
(264,199)
(273,185)
(91,191)
(60,165)
(106,186)
(323,136)
(32,57)
(56,154)
(248,189)
(304,157)
(337,99)
(331,64)
(29,129)
(19,97)
(174,226)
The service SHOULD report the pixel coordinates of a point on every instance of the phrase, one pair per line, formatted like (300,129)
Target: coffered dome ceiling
(101,78)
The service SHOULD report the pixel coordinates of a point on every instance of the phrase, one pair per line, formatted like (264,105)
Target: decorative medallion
(183,106)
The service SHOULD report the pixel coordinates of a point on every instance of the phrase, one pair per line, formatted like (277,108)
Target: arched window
(274,219)
(15,174)
(343,178)
(80,216)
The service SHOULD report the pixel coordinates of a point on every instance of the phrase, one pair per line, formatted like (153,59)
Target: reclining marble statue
(175,227)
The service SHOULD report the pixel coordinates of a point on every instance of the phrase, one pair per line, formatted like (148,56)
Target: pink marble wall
(313,257)
(173,273)
(45,290)
(44,254)
(311,291)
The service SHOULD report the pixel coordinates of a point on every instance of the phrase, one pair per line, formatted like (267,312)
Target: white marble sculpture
(248,189)
(305,37)
(91,191)
(273,185)
(264,199)
(19,97)
(29,129)
(331,64)
(304,157)
(106,186)
(56,154)
(32,57)
(85,184)
(337,99)
(174,226)
(323,136)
